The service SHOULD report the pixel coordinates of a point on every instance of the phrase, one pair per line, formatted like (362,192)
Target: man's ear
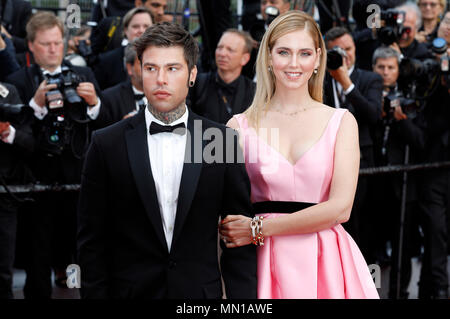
(138,3)
(245,58)
(30,46)
(129,68)
(193,74)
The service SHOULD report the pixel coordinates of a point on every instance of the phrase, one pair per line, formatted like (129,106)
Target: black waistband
(279,207)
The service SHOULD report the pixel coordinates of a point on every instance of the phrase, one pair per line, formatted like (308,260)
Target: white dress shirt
(337,87)
(166,153)
(41,112)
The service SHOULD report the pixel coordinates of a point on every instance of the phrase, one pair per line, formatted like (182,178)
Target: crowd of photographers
(390,69)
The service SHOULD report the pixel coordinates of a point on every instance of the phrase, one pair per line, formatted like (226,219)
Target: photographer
(110,69)
(79,51)
(360,92)
(270,9)
(433,200)
(108,34)
(64,100)
(16,144)
(407,45)
(401,126)
(8,62)
(431,11)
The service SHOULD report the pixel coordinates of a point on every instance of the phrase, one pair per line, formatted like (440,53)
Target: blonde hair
(265,88)
(42,20)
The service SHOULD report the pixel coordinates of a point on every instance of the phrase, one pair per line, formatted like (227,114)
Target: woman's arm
(336,210)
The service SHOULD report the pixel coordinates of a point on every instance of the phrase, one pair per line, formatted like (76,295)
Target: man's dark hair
(335,33)
(165,34)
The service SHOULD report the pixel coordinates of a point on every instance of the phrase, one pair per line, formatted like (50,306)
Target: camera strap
(112,30)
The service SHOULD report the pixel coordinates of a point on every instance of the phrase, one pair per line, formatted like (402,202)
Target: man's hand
(421,36)
(132,113)
(87,91)
(3,30)
(396,47)
(2,43)
(398,114)
(4,130)
(341,76)
(39,96)
(235,231)
(72,44)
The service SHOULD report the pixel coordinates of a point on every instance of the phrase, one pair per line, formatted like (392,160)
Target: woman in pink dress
(302,158)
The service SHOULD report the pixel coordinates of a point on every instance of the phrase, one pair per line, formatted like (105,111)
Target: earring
(315,71)
(269,68)
(191,83)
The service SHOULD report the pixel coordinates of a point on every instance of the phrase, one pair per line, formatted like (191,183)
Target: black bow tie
(156,128)
(138,97)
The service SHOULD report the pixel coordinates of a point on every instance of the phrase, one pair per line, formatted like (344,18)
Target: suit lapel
(191,172)
(137,146)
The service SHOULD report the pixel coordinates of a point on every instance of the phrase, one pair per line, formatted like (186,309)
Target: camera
(392,30)
(66,110)
(259,28)
(65,91)
(416,69)
(84,49)
(396,98)
(335,58)
(439,49)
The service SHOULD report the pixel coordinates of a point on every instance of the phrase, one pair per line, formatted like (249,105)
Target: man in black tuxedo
(61,141)
(218,95)
(360,92)
(110,69)
(399,129)
(126,98)
(16,145)
(151,196)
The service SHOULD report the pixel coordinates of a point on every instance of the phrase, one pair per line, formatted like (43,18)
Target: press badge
(3,91)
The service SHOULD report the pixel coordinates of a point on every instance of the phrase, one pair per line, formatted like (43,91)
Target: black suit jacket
(364,102)
(117,101)
(122,250)
(15,157)
(110,69)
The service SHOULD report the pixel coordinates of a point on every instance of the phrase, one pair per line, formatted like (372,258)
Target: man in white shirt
(151,198)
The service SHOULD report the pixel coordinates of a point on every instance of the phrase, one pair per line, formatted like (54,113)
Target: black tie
(156,128)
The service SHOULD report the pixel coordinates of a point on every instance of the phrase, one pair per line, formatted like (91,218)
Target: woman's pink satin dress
(326,264)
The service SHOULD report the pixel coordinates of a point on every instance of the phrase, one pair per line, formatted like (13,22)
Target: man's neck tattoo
(168,117)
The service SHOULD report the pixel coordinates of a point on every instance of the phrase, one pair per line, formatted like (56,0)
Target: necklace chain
(293,113)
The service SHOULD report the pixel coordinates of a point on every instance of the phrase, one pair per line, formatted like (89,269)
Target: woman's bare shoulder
(233,123)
